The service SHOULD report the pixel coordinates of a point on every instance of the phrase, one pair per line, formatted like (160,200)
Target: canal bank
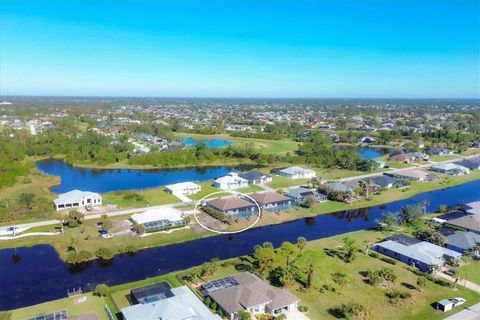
(36,274)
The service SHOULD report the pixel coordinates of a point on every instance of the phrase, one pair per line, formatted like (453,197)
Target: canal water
(36,274)
(368,153)
(106,180)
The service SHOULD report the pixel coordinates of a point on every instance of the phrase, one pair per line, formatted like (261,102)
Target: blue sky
(263,48)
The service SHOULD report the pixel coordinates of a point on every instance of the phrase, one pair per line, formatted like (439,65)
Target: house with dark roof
(232,206)
(440,151)
(462,241)
(247,292)
(272,200)
(383,182)
(255,177)
(301,194)
(423,255)
(469,222)
(471,164)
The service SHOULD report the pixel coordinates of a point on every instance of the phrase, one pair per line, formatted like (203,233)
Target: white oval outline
(227,232)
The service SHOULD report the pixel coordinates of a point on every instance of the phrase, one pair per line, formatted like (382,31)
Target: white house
(230,182)
(183,188)
(159,218)
(296,173)
(76,199)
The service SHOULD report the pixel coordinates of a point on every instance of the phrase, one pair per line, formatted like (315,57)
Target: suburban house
(159,301)
(183,188)
(247,292)
(255,177)
(423,255)
(301,194)
(402,157)
(272,200)
(410,174)
(159,219)
(380,163)
(471,164)
(473,207)
(76,199)
(451,169)
(340,187)
(440,151)
(232,206)
(382,182)
(230,182)
(297,173)
(462,241)
(469,222)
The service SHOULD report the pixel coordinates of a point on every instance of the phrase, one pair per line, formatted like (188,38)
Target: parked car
(457,301)
(451,272)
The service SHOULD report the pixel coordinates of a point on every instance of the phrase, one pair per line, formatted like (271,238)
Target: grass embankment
(470,271)
(325,256)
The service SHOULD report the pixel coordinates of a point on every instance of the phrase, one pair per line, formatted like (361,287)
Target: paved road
(470,313)
(135,210)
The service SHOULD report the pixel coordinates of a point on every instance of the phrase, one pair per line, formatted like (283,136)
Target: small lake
(210,143)
(368,152)
(106,180)
(36,274)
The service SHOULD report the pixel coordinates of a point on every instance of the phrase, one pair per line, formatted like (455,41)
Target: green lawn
(284,182)
(152,197)
(470,271)
(92,303)
(443,158)
(250,189)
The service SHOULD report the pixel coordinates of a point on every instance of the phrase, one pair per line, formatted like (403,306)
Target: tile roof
(230,203)
(469,222)
(268,197)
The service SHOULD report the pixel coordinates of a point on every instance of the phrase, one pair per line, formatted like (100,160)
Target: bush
(131,249)
(101,290)
(388,260)
(302,308)
(352,311)
(397,297)
(138,228)
(82,256)
(74,218)
(104,253)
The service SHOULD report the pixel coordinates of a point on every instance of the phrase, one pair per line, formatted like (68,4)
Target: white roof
(296,170)
(230,178)
(157,214)
(449,166)
(183,305)
(75,196)
(182,186)
(475,207)
(412,173)
(425,252)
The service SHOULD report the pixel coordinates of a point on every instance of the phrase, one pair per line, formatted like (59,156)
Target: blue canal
(106,180)
(210,143)
(33,275)
(368,152)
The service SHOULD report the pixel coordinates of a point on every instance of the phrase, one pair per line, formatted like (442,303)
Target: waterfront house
(471,164)
(301,194)
(77,199)
(473,207)
(272,200)
(164,303)
(450,168)
(402,157)
(158,219)
(469,222)
(232,206)
(410,174)
(383,182)
(183,188)
(462,241)
(296,172)
(247,292)
(423,255)
(231,181)
(255,177)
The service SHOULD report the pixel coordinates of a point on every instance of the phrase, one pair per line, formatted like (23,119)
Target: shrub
(397,297)
(352,311)
(302,308)
(104,253)
(74,218)
(388,260)
(101,290)
(131,249)
(138,228)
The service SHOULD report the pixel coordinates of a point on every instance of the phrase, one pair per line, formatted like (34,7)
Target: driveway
(296,315)
(462,282)
(470,313)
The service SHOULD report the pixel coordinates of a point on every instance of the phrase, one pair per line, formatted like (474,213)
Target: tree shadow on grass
(332,253)
(408,286)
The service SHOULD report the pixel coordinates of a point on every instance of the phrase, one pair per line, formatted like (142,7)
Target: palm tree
(301,243)
(366,243)
(61,217)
